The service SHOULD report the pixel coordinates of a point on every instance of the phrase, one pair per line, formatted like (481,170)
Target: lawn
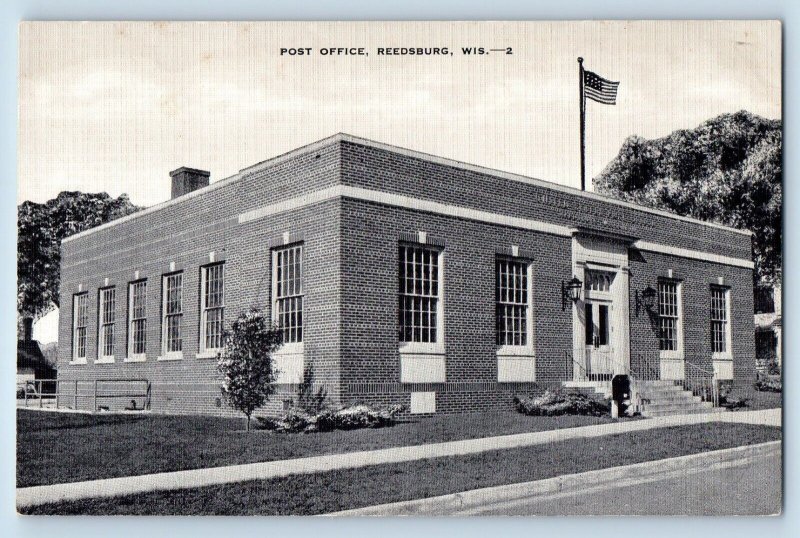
(758,399)
(340,490)
(66,447)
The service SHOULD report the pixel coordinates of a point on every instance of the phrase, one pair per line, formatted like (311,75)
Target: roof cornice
(343,137)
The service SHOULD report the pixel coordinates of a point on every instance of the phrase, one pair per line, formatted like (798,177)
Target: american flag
(599,89)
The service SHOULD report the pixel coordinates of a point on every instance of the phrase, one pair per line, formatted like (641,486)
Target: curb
(464,502)
(196,478)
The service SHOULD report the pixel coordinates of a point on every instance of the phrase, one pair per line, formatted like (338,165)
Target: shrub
(358,416)
(347,418)
(769,385)
(553,403)
(732,403)
(309,400)
(773,368)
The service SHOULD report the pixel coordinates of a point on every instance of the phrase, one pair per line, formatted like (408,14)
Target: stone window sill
(171,357)
(419,348)
(516,351)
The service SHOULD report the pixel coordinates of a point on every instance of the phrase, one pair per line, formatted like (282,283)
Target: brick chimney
(25,329)
(186,180)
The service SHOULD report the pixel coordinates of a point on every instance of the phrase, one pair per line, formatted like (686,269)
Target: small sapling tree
(246,362)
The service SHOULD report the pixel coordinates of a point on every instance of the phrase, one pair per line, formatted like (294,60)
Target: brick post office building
(401,277)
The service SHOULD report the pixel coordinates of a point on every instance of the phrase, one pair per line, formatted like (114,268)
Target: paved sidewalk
(112,487)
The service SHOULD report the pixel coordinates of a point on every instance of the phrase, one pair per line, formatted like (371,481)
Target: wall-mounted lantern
(646,299)
(570,291)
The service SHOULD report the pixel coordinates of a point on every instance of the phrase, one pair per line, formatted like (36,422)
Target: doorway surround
(600,261)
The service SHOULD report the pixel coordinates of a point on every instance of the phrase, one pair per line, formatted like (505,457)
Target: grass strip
(54,448)
(354,488)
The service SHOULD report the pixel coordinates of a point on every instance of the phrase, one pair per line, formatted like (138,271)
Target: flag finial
(580,59)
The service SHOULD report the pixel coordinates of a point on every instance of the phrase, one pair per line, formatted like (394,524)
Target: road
(749,488)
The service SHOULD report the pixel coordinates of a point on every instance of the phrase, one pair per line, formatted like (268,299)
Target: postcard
(400,268)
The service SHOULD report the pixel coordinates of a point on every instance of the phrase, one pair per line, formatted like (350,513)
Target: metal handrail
(704,383)
(598,364)
(571,362)
(647,365)
(61,397)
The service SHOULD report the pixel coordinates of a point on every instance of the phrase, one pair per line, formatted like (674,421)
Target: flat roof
(344,137)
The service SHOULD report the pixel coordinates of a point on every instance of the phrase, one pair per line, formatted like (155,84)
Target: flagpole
(582,101)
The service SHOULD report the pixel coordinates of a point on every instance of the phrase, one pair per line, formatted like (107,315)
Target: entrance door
(598,328)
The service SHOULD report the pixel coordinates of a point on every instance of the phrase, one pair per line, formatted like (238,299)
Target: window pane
(289,292)
(603,325)
(511,293)
(598,280)
(719,319)
(668,316)
(138,315)
(81,342)
(80,320)
(173,316)
(589,324)
(106,308)
(418,293)
(213,302)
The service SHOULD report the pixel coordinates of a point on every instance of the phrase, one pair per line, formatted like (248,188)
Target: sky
(115,106)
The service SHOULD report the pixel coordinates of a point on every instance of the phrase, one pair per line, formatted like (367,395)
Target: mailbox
(620,394)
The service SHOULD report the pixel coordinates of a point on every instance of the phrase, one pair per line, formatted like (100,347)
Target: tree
(41,227)
(246,362)
(727,170)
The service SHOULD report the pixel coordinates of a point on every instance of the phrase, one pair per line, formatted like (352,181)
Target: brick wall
(378,169)
(351,250)
(184,233)
(697,278)
(370,366)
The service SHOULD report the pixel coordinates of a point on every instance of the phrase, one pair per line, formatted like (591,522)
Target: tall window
(419,294)
(80,320)
(288,303)
(668,316)
(173,313)
(106,306)
(212,305)
(137,308)
(512,302)
(719,319)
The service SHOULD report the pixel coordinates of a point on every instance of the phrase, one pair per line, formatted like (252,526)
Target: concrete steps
(590,388)
(659,398)
(664,398)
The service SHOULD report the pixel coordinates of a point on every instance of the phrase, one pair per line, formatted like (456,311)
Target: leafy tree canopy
(41,227)
(246,362)
(728,170)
